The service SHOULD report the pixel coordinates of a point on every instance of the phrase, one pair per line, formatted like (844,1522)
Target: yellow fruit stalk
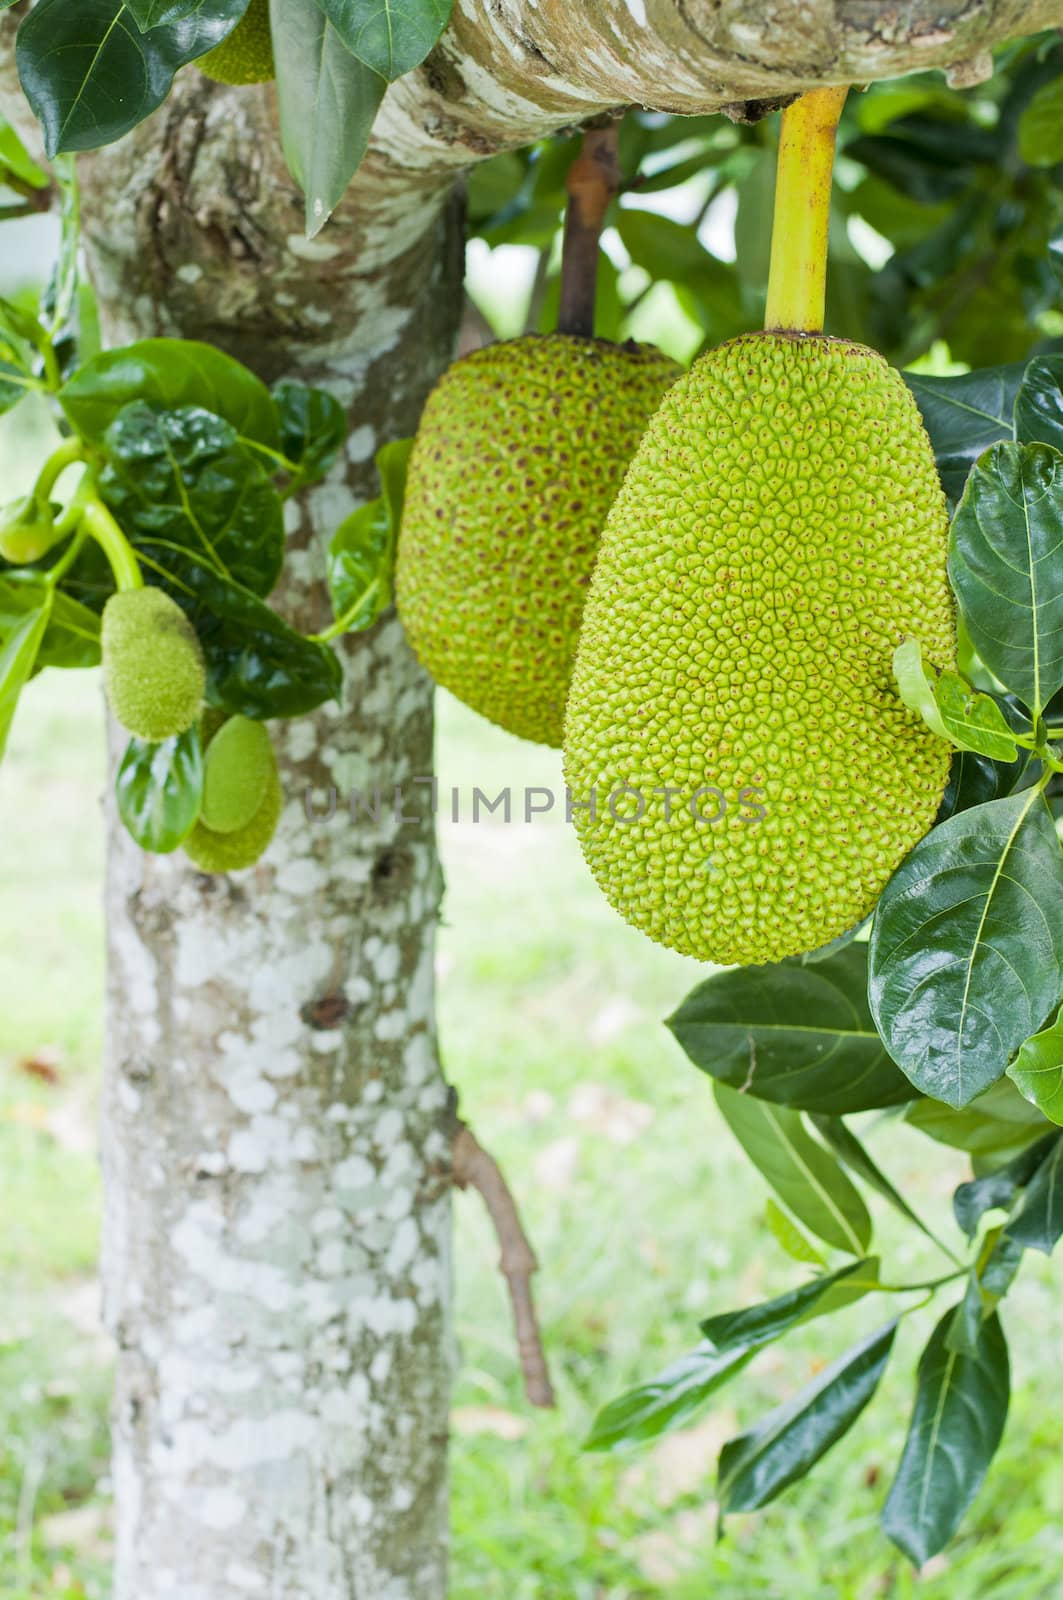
(746,776)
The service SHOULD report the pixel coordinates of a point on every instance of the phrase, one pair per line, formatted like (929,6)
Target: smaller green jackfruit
(230,852)
(245,55)
(152,664)
(236,774)
(26,531)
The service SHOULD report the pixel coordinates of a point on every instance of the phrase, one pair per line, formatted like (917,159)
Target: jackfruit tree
(795,615)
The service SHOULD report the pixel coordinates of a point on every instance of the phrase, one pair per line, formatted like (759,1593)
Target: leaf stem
(65,455)
(797,277)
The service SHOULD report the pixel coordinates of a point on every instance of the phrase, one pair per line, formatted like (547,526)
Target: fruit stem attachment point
(593,183)
(101,526)
(797,278)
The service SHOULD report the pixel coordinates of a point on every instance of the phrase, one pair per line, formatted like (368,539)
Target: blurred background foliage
(947,253)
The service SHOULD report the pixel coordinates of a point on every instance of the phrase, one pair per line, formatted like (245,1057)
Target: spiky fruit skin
(237,769)
(780,531)
(245,55)
(153,667)
(521,448)
(231,852)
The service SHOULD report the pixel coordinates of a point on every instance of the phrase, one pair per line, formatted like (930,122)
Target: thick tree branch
(474,1168)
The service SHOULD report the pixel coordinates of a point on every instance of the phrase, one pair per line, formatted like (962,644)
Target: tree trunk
(276,1144)
(276,1263)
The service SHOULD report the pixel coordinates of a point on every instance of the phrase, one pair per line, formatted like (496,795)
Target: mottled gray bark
(276,1146)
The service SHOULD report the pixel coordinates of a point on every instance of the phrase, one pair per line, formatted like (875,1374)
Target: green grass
(643,1214)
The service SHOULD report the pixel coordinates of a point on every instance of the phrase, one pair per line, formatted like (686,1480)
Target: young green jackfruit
(27,530)
(236,773)
(246,54)
(520,451)
(231,852)
(781,530)
(152,664)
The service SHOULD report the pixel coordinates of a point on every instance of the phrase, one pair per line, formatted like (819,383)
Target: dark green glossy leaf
(19,645)
(91,75)
(1039,1224)
(753,1326)
(1039,403)
(187,493)
(159,13)
(966,951)
(670,1400)
(328,101)
(847,1146)
(390,36)
(313,426)
(998,1124)
(975,779)
(1037,1071)
(361,553)
(796,1035)
(170,373)
(960,1409)
(988,1282)
(806,1177)
(159,788)
(760,1464)
(1003,564)
(999,1190)
(965,415)
(788,1235)
(72,638)
(257,666)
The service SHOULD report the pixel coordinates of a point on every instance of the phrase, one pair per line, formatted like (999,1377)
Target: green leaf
(14,158)
(328,102)
(1003,556)
(805,1177)
(91,75)
(961,1405)
(159,788)
(760,1464)
(72,638)
(1037,1071)
(1041,127)
(757,1325)
(18,655)
(965,415)
(257,666)
(793,1034)
(1039,403)
(788,1235)
(313,426)
(847,1146)
(916,687)
(1039,1224)
(361,553)
(390,36)
(966,951)
(989,1280)
(999,1190)
(998,1123)
(159,13)
(170,373)
(670,1400)
(974,779)
(973,720)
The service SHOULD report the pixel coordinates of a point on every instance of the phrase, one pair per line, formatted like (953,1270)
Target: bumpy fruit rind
(153,666)
(231,852)
(245,55)
(521,449)
(236,773)
(781,530)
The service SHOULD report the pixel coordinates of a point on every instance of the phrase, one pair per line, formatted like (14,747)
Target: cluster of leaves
(93,69)
(961,189)
(943,1016)
(192,457)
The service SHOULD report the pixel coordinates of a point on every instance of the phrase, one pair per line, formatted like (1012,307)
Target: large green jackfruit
(520,452)
(246,54)
(153,667)
(780,531)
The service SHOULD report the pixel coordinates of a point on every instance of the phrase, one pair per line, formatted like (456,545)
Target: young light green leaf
(91,75)
(806,1178)
(1041,127)
(989,1280)
(1037,1070)
(14,158)
(170,373)
(1003,563)
(966,950)
(1039,1224)
(390,36)
(328,101)
(760,1464)
(18,655)
(795,1034)
(361,553)
(159,788)
(914,686)
(964,416)
(1039,403)
(961,1405)
(788,1235)
(973,721)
